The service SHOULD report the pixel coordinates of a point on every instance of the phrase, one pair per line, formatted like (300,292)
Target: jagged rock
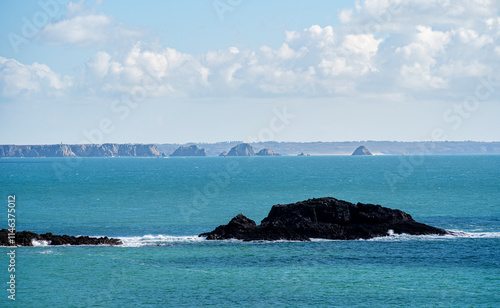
(224,153)
(326,218)
(302,154)
(362,150)
(25,238)
(242,149)
(79,150)
(191,150)
(267,152)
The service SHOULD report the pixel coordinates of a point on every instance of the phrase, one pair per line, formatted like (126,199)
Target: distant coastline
(284,148)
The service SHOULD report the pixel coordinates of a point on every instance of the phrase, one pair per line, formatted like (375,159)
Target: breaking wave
(154,240)
(39,243)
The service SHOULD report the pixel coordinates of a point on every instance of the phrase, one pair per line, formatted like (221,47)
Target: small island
(267,152)
(361,150)
(325,218)
(191,150)
(242,149)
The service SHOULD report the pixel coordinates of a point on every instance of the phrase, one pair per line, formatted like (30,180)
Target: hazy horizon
(271,141)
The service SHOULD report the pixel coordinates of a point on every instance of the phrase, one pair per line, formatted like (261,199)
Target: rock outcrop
(302,154)
(242,149)
(191,150)
(361,150)
(224,153)
(79,150)
(267,152)
(27,238)
(326,218)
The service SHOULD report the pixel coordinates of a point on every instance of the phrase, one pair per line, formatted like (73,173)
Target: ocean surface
(158,206)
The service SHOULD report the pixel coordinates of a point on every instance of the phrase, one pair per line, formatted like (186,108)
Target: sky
(227,70)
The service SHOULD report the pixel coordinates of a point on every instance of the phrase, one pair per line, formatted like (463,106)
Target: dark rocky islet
(26,238)
(326,218)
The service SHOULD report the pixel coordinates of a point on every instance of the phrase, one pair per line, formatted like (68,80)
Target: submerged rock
(26,238)
(326,218)
(362,150)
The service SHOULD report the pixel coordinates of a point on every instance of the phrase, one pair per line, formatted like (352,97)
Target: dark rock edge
(326,218)
(24,238)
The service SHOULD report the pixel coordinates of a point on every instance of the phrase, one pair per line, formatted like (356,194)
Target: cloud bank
(382,48)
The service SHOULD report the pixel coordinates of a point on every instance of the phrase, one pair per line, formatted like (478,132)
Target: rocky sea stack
(242,149)
(191,150)
(362,150)
(267,152)
(326,218)
(26,238)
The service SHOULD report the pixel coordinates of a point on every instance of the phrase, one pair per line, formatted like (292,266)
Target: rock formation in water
(224,153)
(191,150)
(302,154)
(79,150)
(267,152)
(326,218)
(26,238)
(242,149)
(361,150)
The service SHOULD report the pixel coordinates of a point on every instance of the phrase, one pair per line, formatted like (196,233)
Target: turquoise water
(158,206)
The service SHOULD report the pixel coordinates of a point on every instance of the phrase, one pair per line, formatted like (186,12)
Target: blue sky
(208,71)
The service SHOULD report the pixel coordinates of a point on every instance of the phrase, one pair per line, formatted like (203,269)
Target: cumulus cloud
(81,30)
(163,72)
(17,79)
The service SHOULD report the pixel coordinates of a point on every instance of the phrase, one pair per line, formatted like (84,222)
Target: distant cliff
(79,150)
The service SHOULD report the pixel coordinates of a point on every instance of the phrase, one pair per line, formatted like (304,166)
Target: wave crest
(149,240)
(34,242)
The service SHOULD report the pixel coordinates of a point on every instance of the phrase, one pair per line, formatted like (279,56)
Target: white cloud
(83,27)
(345,15)
(17,79)
(164,72)
(81,30)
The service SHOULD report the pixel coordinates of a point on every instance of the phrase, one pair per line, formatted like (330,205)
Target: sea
(158,206)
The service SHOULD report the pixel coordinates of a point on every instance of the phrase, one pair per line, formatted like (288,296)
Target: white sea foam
(147,240)
(46,252)
(475,234)
(165,240)
(150,240)
(453,234)
(34,242)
